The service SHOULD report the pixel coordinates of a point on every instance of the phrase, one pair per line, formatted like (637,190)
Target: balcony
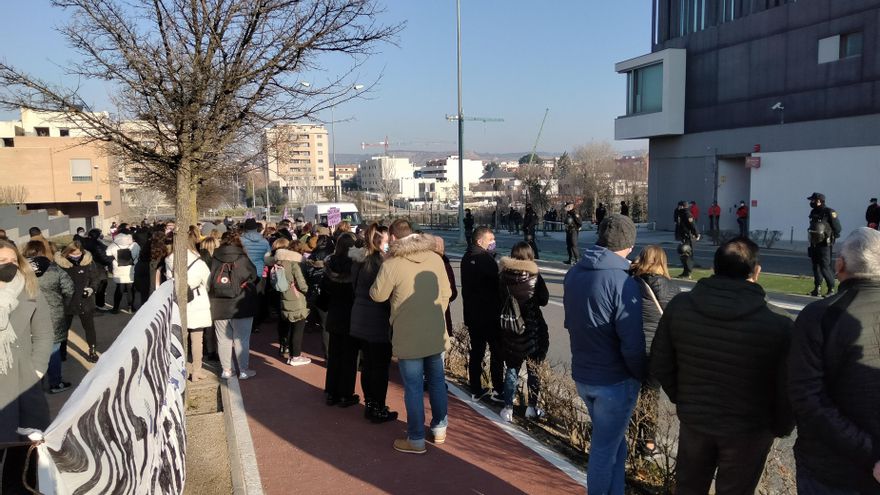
(654,96)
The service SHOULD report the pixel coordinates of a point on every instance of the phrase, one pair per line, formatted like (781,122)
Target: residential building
(446,170)
(346,172)
(299,159)
(761,101)
(383,174)
(49,163)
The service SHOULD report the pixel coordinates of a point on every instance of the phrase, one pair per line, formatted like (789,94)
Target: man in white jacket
(124,252)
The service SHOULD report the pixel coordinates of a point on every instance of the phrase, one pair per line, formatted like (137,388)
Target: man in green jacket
(414,279)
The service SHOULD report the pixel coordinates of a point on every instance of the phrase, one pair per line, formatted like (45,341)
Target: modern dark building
(763,101)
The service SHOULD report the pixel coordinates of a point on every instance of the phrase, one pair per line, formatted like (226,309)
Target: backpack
(123,257)
(278,278)
(511,318)
(819,231)
(226,284)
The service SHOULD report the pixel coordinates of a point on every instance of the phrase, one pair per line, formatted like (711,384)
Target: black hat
(815,195)
(285,234)
(873,200)
(250,224)
(617,232)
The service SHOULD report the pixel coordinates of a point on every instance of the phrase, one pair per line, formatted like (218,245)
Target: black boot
(93,354)
(369,407)
(381,414)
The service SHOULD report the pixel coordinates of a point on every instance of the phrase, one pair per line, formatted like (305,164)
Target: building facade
(48,163)
(446,170)
(299,160)
(762,101)
(383,173)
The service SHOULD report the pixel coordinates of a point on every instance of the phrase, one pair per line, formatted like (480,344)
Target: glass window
(850,45)
(80,170)
(645,88)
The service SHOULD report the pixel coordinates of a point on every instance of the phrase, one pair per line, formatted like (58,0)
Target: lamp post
(461,239)
(356,87)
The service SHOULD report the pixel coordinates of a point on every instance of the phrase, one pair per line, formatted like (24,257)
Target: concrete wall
(17,223)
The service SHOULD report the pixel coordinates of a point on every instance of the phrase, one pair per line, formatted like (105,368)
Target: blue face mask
(491,246)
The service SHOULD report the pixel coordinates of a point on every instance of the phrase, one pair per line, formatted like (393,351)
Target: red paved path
(304,446)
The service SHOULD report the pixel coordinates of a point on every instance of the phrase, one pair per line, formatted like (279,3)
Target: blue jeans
(414,372)
(610,408)
(511,376)
(54,370)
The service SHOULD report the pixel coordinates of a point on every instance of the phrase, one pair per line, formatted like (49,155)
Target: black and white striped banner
(122,430)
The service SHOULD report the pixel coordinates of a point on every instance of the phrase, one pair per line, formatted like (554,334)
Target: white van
(317,212)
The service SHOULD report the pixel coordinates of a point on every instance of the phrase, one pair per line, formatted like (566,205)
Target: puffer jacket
(123,274)
(246,303)
(479,291)
(337,294)
(198,276)
(520,279)
(370,321)
(834,384)
(720,354)
(294,306)
(57,288)
(664,291)
(256,248)
(85,274)
(313,268)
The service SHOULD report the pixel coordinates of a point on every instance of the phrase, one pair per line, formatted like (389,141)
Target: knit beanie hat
(617,232)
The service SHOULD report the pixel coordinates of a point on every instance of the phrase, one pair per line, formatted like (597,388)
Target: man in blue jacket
(256,247)
(603,315)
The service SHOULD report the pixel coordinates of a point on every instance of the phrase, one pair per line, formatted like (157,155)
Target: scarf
(39,264)
(8,302)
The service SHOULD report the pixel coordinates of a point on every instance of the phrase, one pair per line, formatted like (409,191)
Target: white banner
(122,430)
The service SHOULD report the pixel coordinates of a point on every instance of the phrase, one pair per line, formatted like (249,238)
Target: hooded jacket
(603,315)
(720,354)
(85,274)
(123,274)
(479,291)
(57,287)
(369,319)
(414,280)
(245,304)
(835,387)
(520,279)
(337,294)
(293,301)
(256,248)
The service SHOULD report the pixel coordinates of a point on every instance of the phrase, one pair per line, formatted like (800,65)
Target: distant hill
(420,157)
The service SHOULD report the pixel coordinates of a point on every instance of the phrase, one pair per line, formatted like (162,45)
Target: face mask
(385,248)
(74,259)
(813,204)
(7,272)
(491,246)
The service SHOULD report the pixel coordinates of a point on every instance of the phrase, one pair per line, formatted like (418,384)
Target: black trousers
(821,256)
(88,323)
(530,238)
(743,226)
(101,293)
(126,290)
(290,335)
(713,223)
(479,342)
(739,460)
(374,377)
(571,245)
(341,365)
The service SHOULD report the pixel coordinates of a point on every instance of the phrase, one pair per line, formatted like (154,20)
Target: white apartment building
(446,170)
(378,171)
(299,159)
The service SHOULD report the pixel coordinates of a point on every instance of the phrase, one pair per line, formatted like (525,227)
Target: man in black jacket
(834,381)
(92,243)
(530,225)
(719,354)
(482,308)
(572,229)
(824,229)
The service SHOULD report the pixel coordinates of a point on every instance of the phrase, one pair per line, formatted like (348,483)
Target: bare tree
(13,195)
(145,201)
(194,79)
(591,175)
(389,184)
(537,182)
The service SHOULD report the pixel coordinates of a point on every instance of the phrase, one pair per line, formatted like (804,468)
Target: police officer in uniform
(686,233)
(823,231)
(468,226)
(530,225)
(572,228)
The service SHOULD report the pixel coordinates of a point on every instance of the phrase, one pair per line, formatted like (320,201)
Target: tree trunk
(184,215)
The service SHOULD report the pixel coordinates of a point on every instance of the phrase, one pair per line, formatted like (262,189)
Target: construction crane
(386,143)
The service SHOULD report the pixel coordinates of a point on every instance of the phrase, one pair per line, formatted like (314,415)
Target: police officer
(530,225)
(468,226)
(572,228)
(823,231)
(601,211)
(686,233)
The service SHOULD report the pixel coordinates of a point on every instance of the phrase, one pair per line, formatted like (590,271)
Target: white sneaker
(298,361)
(507,414)
(496,397)
(227,374)
(534,413)
(245,374)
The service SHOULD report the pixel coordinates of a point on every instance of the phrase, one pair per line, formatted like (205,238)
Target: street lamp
(356,87)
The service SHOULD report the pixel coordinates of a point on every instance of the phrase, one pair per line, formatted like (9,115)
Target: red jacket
(714,211)
(695,212)
(742,212)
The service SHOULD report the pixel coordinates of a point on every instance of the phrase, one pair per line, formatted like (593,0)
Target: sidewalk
(302,445)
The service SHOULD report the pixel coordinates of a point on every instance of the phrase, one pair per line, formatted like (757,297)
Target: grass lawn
(786,284)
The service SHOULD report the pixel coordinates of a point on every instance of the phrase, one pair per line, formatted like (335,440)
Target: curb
(242,458)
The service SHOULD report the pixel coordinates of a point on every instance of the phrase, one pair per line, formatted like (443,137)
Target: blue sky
(518,57)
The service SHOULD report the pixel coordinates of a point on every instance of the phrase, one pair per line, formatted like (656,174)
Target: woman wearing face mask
(25,345)
(86,276)
(370,323)
(57,288)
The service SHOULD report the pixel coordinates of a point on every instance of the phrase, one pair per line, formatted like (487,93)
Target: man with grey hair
(834,377)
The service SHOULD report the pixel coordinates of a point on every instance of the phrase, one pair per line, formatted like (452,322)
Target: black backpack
(123,257)
(511,318)
(225,284)
(819,231)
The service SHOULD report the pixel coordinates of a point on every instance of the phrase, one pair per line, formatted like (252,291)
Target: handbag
(511,317)
(653,296)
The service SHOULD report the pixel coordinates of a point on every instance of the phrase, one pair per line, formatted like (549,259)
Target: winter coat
(451,275)
(57,288)
(294,306)
(337,294)
(123,274)
(50,249)
(603,315)
(98,251)
(720,354)
(664,291)
(313,269)
(479,291)
(85,274)
(834,381)
(198,276)
(22,402)
(369,319)
(414,279)
(520,279)
(256,247)
(246,303)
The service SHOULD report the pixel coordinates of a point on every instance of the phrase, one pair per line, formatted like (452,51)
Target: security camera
(777,106)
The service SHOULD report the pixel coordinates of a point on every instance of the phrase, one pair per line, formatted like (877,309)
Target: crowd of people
(739,370)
